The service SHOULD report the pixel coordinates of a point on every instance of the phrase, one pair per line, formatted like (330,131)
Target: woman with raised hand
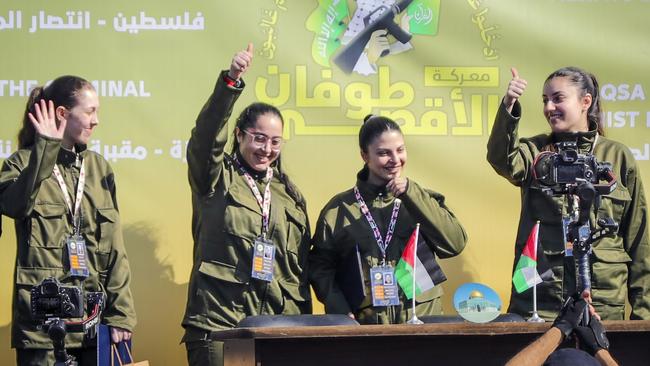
(62,199)
(620,263)
(376,218)
(250,227)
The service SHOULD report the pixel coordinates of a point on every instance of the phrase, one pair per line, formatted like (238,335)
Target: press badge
(384,286)
(263,259)
(77,256)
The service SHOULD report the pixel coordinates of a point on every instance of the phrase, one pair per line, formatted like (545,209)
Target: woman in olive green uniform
(56,190)
(395,205)
(250,228)
(620,264)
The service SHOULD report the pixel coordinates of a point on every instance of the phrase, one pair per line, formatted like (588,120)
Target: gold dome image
(476,294)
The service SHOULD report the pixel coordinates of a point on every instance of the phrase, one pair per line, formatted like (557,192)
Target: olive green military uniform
(226,221)
(341,226)
(620,264)
(32,196)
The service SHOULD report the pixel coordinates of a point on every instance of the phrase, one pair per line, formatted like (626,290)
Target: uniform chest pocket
(107,227)
(614,204)
(242,216)
(49,225)
(296,228)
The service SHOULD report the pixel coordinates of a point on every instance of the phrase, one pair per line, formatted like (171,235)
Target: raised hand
(241,62)
(516,88)
(44,120)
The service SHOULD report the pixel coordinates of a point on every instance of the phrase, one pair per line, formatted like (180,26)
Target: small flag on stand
(526,274)
(428,272)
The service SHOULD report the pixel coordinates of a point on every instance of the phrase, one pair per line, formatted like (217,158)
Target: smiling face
(256,143)
(565,108)
(81,119)
(385,156)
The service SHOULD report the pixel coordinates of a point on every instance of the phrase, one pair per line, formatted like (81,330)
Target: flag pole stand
(414,318)
(535,318)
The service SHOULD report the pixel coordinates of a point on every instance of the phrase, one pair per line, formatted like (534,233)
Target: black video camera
(50,299)
(568,167)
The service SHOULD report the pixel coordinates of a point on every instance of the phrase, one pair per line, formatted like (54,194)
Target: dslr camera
(568,167)
(50,299)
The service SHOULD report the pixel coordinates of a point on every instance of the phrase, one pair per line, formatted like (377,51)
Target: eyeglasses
(260,140)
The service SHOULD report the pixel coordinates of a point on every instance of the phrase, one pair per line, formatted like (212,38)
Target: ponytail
(27,133)
(587,84)
(62,91)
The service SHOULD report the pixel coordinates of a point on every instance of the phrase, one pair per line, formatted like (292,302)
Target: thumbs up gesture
(516,88)
(240,62)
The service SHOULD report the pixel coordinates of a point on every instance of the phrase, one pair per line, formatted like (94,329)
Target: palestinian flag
(427,271)
(526,273)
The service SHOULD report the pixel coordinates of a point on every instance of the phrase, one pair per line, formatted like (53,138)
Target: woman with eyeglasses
(249,224)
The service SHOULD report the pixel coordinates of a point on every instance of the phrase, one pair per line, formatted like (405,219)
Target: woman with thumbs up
(249,223)
(620,263)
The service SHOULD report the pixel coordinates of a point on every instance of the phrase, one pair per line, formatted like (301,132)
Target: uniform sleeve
(209,136)
(635,231)
(437,222)
(119,310)
(323,261)
(507,156)
(20,181)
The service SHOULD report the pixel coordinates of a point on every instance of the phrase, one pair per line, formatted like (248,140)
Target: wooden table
(427,344)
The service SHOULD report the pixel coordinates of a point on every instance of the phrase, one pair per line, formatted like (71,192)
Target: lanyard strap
(79,194)
(373,225)
(264,202)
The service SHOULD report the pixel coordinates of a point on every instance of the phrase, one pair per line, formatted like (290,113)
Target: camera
(50,299)
(568,172)
(567,167)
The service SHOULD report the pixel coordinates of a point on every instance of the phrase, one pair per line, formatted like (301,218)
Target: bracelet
(231,82)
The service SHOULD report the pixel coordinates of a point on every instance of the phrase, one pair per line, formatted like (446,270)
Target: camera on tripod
(578,176)
(50,299)
(52,303)
(568,167)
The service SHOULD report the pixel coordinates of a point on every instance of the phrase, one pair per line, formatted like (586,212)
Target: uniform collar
(67,157)
(370,191)
(257,175)
(584,140)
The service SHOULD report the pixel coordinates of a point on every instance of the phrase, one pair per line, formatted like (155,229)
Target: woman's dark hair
(247,119)
(62,91)
(587,84)
(373,127)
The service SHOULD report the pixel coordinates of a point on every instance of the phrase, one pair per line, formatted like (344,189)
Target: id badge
(263,259)
(77,256)
(384,286)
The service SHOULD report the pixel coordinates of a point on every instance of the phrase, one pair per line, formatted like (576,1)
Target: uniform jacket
(341,226)
(620,264)
(226,220)
(32,196)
